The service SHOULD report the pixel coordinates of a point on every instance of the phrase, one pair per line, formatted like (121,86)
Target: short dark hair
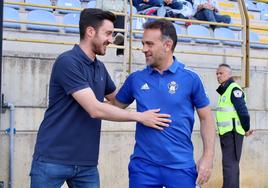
(166,27)
(93,17)
(225,65)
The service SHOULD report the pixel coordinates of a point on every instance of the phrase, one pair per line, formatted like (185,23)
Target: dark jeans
(119,24)
(50,175)
(212,16)
(174,5)
(231,146)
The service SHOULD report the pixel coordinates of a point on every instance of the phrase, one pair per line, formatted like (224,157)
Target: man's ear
(90,32)
(168,45)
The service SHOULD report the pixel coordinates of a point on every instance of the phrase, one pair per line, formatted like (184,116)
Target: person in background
(144,4)
(119,36)
(208,10)
(233,123)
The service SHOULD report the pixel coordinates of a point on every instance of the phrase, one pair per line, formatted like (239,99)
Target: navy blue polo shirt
(178,91)
(68,135)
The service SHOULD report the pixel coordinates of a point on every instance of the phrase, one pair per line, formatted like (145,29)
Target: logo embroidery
(238,93)
(172,87)
(145,87)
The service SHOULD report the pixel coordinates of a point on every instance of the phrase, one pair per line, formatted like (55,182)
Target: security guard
(233,123)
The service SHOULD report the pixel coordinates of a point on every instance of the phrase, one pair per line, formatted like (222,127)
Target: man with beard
(165,158)
(67,145)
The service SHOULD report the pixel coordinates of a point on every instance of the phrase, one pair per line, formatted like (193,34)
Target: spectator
(186,12)
(119,36)
(207,10)
(144,4)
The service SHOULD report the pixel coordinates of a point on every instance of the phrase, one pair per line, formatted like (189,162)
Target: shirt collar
(83,56)
(222,88)
(173,68)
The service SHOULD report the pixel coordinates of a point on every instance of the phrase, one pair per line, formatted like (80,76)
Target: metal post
(130,37)
(1,39)
(11,144)
(126,49)
(1,44)
(11,132)
(245,44)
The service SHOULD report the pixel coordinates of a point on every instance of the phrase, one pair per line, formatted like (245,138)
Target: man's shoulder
(138,73)
(66,62)
(191,72)
(70,52)
(67,56)
(235,86)
(237,91)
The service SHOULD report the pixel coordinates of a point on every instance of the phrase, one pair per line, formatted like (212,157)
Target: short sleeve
(125,94)
(109,86)
(199,96)
(68,73)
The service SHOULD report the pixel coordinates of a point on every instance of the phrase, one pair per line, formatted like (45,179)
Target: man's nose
(110,39)
(144,49)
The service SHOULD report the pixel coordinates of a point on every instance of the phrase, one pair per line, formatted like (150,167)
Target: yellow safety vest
(226,114)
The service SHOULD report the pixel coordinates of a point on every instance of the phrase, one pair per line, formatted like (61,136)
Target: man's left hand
(208,6)
(168,2)
(248,133)
(204,169)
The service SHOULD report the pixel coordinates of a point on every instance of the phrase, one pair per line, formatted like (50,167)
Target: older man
(233,122)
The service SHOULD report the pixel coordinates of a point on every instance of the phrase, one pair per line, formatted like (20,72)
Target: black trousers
(119,24)
(231,147)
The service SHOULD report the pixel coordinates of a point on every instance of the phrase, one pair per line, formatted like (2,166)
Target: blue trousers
(144,174)
(49,175)
(174,5)
(212,16)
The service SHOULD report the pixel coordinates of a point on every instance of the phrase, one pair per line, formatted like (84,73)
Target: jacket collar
(222,88)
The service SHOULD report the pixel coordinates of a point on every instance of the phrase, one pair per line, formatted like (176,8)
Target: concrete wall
(25,83)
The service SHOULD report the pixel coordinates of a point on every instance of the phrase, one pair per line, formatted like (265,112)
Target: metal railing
(244,26)
(245,54)
(58,8)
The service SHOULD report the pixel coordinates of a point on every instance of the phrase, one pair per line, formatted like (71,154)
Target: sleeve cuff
(71,91)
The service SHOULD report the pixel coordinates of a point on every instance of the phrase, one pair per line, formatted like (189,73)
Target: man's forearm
(96,109)
(207,129)
(109,112)
(208,134)
(100,110)
(245,121)
(151,118)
